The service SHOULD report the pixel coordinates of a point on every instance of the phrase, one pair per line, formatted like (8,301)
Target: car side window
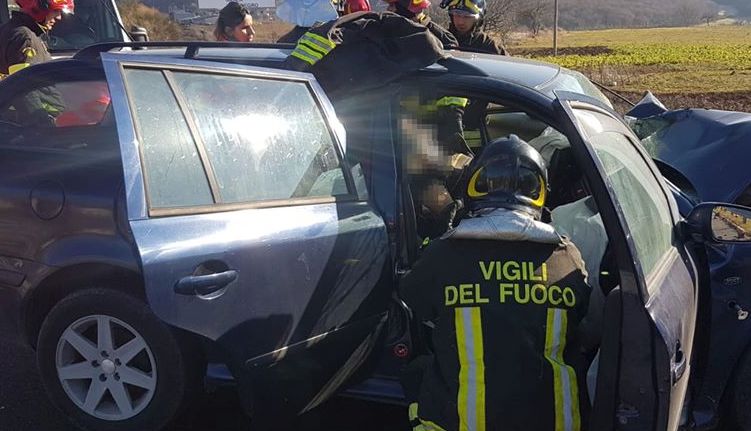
(173,171)
(202,144)
(274,146)
(58,105)
(636,190)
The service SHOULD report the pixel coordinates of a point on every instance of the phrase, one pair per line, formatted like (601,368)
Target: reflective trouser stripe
(16,67)
(421,424)
(566,392)
(471,397)
(452,101)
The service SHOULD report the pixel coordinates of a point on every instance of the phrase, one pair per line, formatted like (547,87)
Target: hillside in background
(592,14)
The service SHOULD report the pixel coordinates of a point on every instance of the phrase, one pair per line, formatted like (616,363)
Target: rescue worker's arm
(21,53)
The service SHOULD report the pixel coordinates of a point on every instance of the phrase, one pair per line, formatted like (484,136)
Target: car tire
(741,396)
(136,376)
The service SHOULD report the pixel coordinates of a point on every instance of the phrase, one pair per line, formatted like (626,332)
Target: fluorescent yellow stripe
(557,393)
(452,101)
(16,67)
(471,396)
(304,57)
(565,388)
(430,426)
(479,355)
(321,39)
(317,55)
(316,44)
(461,343)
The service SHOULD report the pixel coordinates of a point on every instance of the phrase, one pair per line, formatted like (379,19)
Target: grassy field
(703,66)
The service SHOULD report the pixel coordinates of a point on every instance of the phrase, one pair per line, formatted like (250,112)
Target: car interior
(433,177)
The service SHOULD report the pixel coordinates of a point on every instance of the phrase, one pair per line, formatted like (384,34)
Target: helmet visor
(502,176)
(463,12)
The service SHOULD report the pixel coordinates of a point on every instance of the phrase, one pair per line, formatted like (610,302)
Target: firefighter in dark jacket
(21,43)
(505,295)
(415,10)
(466,25)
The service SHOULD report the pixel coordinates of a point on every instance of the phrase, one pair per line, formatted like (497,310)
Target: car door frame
(634,322)
(632,398)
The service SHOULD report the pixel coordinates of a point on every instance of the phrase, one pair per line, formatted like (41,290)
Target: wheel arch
(72,278)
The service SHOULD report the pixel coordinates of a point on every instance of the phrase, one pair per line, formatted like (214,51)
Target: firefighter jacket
(505,295)
(478,40)
(364,50)
(447,39)
(21,44)
(293,35)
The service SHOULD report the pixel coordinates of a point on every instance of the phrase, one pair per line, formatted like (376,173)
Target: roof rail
(191,47)
(460,67)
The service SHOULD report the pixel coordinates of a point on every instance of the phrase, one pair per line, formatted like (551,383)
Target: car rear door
(250,226)
(657,296)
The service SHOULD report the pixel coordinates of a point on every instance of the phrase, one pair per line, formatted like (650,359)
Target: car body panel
(702,147)
(310,280)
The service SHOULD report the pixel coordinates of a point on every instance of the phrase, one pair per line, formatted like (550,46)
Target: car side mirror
(139,34)
(720,223)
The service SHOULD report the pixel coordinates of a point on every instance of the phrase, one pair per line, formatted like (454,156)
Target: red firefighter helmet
(414,7)
(346,7)
(38,9)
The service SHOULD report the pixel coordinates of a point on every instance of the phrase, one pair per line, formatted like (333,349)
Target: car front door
(250,226)
(657,296)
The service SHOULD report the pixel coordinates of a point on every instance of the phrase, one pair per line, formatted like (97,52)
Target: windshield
(575,82)
(94,21)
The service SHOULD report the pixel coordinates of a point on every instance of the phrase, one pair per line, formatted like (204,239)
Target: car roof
(525,72)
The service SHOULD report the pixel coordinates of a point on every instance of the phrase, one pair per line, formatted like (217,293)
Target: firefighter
(415,10)
(504,294)
(466,25)
(21,43)
(235,24)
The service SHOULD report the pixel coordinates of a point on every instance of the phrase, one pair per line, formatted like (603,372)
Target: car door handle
(679,362)
(205,284)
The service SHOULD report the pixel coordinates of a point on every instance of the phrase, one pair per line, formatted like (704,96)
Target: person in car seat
(466,25)
(21,43)
(235,24)
(505,294)
(415,10)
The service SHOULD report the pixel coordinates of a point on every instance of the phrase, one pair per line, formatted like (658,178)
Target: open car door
(650,317)
(250,226)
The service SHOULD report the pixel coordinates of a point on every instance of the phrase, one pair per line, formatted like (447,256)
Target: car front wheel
(110,364)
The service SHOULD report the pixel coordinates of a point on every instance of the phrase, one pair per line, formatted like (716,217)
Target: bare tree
(535,14)
(500,17)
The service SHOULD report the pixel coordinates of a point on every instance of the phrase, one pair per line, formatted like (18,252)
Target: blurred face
(463,23)
(244,32)
(53,16)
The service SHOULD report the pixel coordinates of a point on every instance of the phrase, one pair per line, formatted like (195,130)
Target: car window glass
(636,190)
(173,170)
(64,104)
(270,143)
